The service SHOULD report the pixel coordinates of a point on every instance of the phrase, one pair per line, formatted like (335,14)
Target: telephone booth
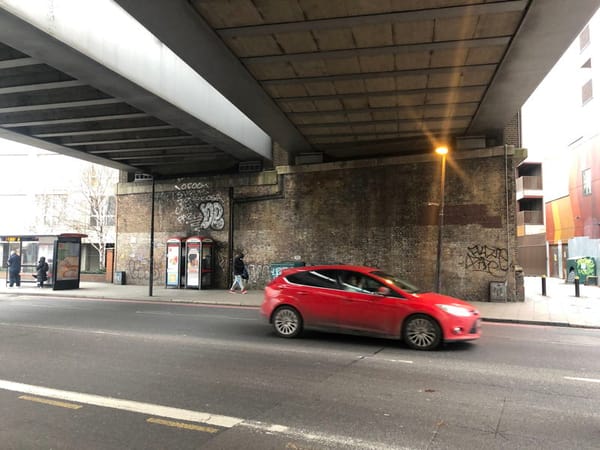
(174,263)
(199,252)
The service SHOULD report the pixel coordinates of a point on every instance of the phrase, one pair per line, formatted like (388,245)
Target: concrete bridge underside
(200,87)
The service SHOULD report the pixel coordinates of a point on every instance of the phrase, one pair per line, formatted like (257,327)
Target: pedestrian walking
(41,271)
(239,268)
(14,269)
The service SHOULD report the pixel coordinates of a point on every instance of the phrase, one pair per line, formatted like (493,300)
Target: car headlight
(456,310)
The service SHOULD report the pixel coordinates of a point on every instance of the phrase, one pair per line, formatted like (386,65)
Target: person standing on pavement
(41,271)
(239,267)
(14,269)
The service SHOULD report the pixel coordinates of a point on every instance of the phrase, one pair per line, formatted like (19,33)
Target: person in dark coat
(239,269)
(14,269)
(41,271)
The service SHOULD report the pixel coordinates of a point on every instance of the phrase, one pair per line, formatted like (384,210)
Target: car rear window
(316,278)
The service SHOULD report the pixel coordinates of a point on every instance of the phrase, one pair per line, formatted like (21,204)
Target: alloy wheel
(287,322)
(422,333)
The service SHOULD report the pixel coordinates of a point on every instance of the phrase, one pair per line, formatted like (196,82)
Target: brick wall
(512,131)
(380,212)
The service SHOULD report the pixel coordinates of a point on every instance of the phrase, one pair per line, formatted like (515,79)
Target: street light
(443,151)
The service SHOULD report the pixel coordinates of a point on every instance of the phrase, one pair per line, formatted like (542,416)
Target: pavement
(560,307)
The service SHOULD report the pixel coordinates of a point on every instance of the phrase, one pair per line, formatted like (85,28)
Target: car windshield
(400,283)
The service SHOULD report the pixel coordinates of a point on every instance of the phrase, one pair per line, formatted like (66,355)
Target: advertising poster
(67,261)
(173,265)
(193,265)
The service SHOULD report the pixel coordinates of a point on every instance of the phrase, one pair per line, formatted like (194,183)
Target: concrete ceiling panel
(456,28)
(491,55)
(255,46)
(342,66)
(313,89)
(327,40)
(410,61)
(373,36)
(413,33)
(501,24)
(300,42)
(380,63)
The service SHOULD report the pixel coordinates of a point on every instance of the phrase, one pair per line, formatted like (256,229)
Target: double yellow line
(154,420)
(47,401)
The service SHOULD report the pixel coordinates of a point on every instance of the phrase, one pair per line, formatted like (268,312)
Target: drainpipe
(508,258)
(230,249)
(259,198)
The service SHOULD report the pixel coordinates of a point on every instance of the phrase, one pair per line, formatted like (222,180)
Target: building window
(586,92)
(587,181)
(584,38)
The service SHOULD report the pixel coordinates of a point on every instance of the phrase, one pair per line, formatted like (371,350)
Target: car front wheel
(287,322)
(421,332)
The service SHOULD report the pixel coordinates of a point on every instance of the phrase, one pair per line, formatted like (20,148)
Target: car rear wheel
(421,332)
(287,322)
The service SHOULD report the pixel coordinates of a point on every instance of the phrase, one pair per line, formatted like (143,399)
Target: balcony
(530,222)
(529,187)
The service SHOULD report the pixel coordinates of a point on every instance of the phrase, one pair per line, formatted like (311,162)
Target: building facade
(44,193)
(560,178)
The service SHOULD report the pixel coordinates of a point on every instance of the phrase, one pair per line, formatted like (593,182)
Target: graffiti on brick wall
(196,207)
(258,275)
(481,258)
(212,215)
(138,269)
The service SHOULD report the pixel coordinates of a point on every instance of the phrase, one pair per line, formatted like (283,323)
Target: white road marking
(164,313)
(190,416)
(321,439)
(124,405)
(589,380)
(76,330)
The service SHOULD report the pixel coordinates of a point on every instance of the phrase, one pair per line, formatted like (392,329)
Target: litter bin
(119,278)
(278,267)
(582,267)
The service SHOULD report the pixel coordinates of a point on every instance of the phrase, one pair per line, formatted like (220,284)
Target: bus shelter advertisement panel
(67,261)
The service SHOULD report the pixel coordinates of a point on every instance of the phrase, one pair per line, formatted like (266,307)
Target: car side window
(358,282)
(315,278)
(353,281)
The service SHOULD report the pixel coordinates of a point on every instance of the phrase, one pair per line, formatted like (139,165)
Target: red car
(365,300)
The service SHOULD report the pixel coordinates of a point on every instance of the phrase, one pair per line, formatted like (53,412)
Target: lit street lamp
(443,151)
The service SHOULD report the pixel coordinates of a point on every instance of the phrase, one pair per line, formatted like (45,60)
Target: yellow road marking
(185,426)
(50,402)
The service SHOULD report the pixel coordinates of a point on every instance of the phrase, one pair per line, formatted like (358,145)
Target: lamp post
(443,151)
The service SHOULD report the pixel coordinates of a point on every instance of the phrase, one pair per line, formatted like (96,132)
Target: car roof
(362,269)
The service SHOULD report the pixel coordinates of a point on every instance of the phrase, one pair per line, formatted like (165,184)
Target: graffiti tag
(482,258)
(198,209)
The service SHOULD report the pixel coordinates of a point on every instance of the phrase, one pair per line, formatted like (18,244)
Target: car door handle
(302,293)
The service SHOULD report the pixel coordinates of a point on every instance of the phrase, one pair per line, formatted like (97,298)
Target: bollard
(544,285)
(576,286)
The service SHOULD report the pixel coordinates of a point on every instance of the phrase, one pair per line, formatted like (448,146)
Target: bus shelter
(62,253)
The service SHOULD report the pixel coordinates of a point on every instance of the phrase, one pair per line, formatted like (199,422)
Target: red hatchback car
(364,300)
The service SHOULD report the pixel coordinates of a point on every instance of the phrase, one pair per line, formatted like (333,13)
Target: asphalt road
(132,375)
